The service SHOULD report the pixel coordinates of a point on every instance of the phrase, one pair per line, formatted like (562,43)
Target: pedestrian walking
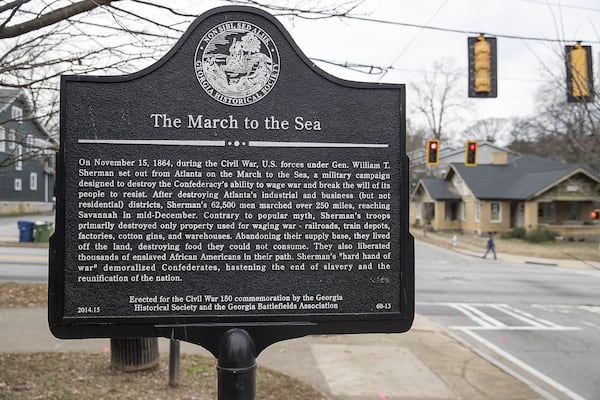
(490,245)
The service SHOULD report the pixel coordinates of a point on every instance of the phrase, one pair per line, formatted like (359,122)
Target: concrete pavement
(425,363)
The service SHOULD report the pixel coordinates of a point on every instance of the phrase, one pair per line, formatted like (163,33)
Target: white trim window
(463,211)
(477,210)
(33,181)
(12,139)
(19,158)
(2,139)
(18,184)
(17,114)
(495,212)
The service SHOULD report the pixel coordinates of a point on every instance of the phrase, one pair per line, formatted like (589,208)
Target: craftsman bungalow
(512,191)
(26,156)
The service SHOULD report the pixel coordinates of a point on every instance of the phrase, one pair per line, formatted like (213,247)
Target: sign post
(232,185)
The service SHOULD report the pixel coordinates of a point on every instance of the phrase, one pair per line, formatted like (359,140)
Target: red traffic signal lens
(433,145)
(472,146)
(595,214)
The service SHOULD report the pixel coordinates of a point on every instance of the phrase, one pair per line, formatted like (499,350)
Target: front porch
(570,219)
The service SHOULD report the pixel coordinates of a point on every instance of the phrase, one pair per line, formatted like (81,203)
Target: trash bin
(25,231)
(134,354)
(42,231)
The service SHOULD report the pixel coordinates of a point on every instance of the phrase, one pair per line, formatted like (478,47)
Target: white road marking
(486,322)
(526,367)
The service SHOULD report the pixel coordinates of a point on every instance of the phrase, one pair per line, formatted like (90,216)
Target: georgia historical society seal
(237,63)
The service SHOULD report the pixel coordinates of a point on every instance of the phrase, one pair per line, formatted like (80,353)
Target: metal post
(174,357)
(236,366)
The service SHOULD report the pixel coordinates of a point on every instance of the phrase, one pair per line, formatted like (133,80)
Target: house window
(463,211)
(2,139)
(12,139)
(18,184)
(17,114)
(547,212)
(33,181)
(418,210)
(19,158)
(573,211)
(458,183)
(477,207)
(29,140)
(451,211)
(495,211)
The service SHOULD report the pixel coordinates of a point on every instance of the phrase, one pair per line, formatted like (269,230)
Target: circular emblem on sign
(237,63)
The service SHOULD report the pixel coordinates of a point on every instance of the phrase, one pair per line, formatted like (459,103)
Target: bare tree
(491,130)
(41,40)
(438,98)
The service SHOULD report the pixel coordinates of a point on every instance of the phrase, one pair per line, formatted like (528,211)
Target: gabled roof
(9,95)
(524,177)
(439,189)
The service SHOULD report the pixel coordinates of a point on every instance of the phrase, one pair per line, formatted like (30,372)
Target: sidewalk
(424,363)
(469,250)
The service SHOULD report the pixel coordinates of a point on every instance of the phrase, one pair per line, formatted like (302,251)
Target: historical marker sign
(231,184)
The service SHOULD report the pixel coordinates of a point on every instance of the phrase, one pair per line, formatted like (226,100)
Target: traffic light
(433,152)
(482,67)
(580,81)
(595,214)
(471,154)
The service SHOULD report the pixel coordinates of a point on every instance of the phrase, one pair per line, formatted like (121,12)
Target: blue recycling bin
(25,231)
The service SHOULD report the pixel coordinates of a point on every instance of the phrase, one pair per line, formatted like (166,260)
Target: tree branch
(51,18)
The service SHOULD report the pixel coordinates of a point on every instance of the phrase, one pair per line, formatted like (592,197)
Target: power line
(370,69)
(466,32)
(546,3)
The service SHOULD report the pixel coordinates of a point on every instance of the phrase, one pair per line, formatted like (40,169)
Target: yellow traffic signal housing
(483,79)
(579,73)
(432,152)
(482,67)
(471,154)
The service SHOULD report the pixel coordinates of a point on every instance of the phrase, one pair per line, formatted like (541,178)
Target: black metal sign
(231,184)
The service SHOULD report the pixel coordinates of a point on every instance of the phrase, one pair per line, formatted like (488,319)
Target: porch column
(530,218)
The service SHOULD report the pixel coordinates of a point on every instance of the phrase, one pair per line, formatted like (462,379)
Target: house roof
(481,144)
(9,95)
(523,177)
(439,189)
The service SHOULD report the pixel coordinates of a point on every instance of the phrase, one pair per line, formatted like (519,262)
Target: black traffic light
(483,67)
(595,214)
(471,154)
(580,82)
(433,152)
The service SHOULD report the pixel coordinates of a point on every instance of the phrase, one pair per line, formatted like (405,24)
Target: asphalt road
(540,322)
(18,264)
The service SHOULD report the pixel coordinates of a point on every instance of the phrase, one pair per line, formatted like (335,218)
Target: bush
(540,235)
(516,233)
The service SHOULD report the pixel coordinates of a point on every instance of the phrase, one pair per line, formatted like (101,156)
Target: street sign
(231,184)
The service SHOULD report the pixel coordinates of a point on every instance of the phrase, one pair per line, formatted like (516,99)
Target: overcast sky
(523,64)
